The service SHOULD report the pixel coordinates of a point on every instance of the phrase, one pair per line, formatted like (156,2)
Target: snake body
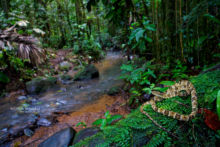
(173,91)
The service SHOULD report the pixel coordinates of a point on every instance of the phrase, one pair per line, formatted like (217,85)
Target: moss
(87,73)
(40,84)
(65,77)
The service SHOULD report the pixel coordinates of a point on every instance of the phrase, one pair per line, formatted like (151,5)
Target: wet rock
(32,119)
(87,73)
(65,66)
(28,132)
(85,133)
(34,101)
(22,98)
(14,122)
(63,89)
(65,79)
(79,86)
(15,116)
(3,136)
(44,122)
(114,90)
(61,102)
(4,130)
(17,130)
(39,85)
(62,138)
(7,144)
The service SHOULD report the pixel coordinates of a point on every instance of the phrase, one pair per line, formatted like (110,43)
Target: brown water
(69,98)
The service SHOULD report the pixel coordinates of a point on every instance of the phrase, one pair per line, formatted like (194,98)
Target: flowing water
(17,115)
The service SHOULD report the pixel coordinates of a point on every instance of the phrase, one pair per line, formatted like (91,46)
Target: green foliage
(213,18)
(90,49)
(4,78)
(9,59)
(207,86)
(176,71)
(218,104)
(140,35)
(163,89)
(139,78)
(16,62)
(179,71)
(158,139)
(142,74)
(191,133)
(83,124)
(107,120)
(168,83)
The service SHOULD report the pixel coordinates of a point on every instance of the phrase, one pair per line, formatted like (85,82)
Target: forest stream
(125,73)
(87,96)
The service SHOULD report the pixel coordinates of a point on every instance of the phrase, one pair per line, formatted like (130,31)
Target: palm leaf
(26,46)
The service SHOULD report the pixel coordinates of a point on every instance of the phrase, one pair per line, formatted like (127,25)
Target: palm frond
(26,46)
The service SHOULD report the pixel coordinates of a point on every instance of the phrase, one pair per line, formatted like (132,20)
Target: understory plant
(175,72)
(138,130)
(140,35)
(87,46)
(143,76)
(139,78)
(218,104)
(19,52)
(108,120)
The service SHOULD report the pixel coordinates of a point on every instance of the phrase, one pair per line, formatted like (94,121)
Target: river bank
(65,100)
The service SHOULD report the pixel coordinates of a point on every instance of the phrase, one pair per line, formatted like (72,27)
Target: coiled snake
(174,90)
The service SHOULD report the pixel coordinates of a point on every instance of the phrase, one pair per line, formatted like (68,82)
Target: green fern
(137,127)
(157,139)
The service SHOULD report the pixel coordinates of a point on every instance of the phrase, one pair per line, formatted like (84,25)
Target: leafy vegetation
(17,52)
(164,41)
(124,132)
(83,124)
(138,78)
(171,32)
(142,77)
(218,104)
(107,120)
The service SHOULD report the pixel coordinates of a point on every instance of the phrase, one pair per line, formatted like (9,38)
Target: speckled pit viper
(173,91)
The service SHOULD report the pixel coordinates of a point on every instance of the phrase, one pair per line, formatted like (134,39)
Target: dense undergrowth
(138,130)
(175,34)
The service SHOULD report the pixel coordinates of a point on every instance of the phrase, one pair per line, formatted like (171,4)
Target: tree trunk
(62,29)
(5,4)
(181,34)
(78,12)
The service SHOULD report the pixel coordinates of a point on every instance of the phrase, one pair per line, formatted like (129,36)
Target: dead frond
(26,46)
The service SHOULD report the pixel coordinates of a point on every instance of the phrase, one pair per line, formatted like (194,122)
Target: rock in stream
(39,85)
(87,73)
(62,138)
(44,122)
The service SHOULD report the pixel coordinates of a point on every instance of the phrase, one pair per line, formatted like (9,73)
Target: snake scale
(173,91)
